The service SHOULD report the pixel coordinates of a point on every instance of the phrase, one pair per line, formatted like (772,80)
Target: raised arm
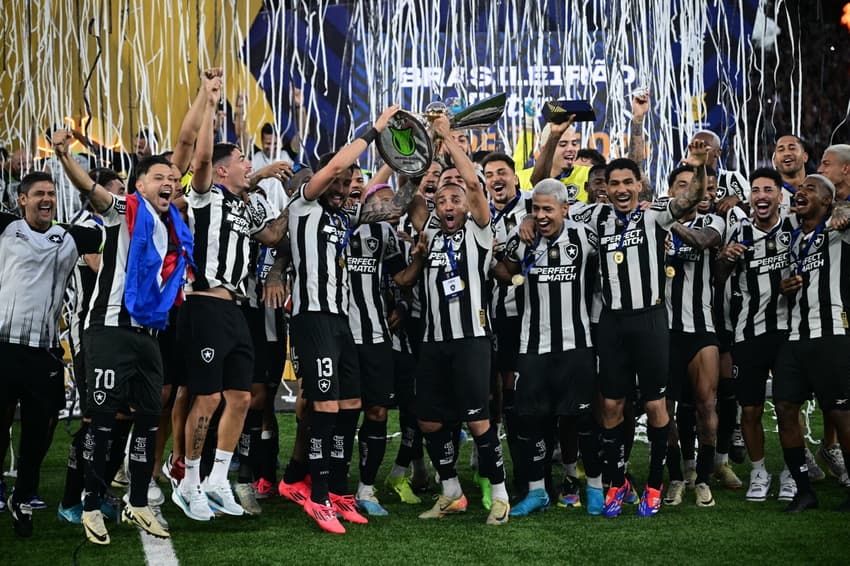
(475,195)
(382,176)
(202,178)
(685,201)
(637,141)
(192,123)
(346,157)
(543,163)
(101,199)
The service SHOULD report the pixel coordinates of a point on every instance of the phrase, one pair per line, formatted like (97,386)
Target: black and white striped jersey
(374,256)
(35,268)
(631,253)
(83,280)
(107,307)
(222,224)
(557,290)
(732,183)
(689,290)
(455,299)
(757,306)
(319,237)
(819,308)
(504,300)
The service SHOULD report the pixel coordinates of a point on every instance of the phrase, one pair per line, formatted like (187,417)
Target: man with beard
(790,158)
(320,229)
(453,376)
(835,166)
(508,205)
(37,257)
(816,357)
(756,257)
(694,356)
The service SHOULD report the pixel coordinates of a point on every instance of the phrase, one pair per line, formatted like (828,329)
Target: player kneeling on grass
(557,365)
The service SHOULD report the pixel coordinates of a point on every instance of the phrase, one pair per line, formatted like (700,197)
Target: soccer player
(373,258)
(790,158)
(319,231)
(556,368)
(140,278)
(83,282)
(816,357)
(36,260)
(452,380)
(694,356)
(508,206)
(633,335)
(219,365)
(732,186)
(835,166)
(756,257)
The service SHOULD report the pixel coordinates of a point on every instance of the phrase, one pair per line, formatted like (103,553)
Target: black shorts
(216,344)
(324,357)
(34,376)
(256,320)
(818,365)
(557,383)
(507,331)
(415,330)
(725,340)
(752,362)
(123,368)
(405,378)
(377,374)
(453,381)
(684,346)
(173,357)
(633,344)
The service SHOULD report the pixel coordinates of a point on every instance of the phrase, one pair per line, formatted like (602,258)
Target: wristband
(369,136)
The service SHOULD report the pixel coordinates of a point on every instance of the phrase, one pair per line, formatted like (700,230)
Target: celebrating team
(458,298)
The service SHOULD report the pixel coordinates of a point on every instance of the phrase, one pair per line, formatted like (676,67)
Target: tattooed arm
(686,200)
(375,211)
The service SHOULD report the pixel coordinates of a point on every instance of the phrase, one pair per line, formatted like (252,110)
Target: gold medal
(518,280)
(619,257)
(670,271)
(341,262)
(462,284)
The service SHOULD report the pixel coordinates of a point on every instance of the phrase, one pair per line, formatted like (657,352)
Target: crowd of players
(458,297)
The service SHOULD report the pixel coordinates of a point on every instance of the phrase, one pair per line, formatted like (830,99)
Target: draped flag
(157,262)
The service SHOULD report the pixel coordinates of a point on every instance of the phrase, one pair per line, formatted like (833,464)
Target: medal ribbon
(532,256)
(346,223)
(799,259)
(508,207)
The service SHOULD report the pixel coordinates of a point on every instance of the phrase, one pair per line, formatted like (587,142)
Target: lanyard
(450,252)
(344,221)
(677,243)
(789,187)
(625,220)
(799,259)
(508,207)
(532,256)
(769,235)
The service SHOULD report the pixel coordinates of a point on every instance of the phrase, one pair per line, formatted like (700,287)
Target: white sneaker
(155,495)
(193,502)
(221,498)
(787,486)
(759,485)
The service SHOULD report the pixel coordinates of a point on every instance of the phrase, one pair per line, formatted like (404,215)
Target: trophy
(405,144)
